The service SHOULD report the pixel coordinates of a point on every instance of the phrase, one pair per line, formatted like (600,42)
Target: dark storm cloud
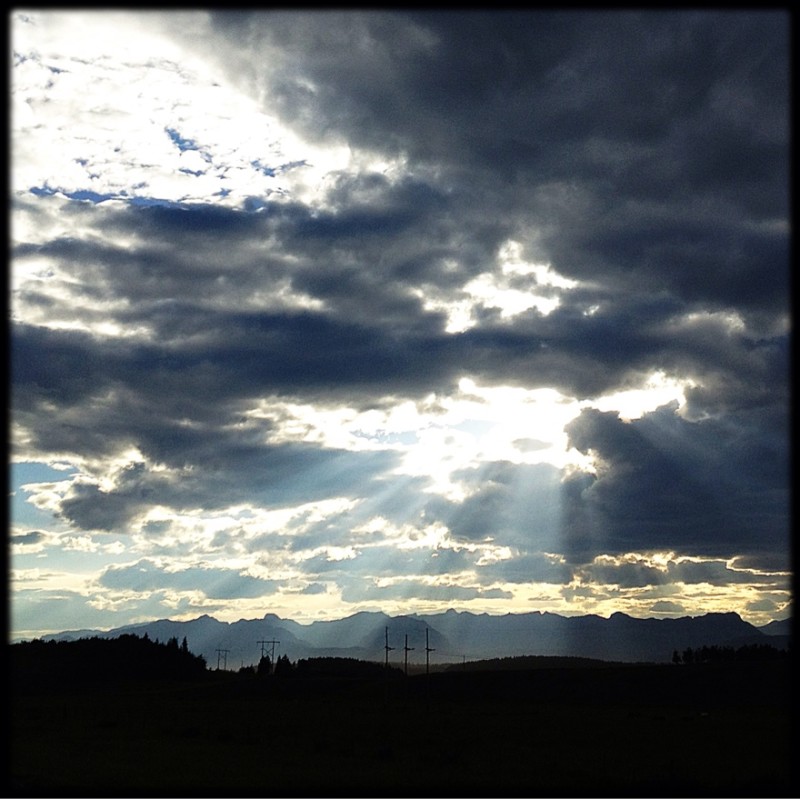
(514,505)
(528,568)
(359,258)
(239,356)
(719,573)
(360,592)
(209,356)
(664,606)
(372,331)
(700,257)
(762,605)
(146,576)
(76,393)
(230,474)
(387,560)
(609,126)
(663,483)
(640,575)
(196,254)
(762,561)
(642,153)
(28,539)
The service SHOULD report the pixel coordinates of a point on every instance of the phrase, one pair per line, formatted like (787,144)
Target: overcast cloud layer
(315,312)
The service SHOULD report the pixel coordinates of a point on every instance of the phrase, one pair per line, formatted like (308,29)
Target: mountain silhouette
(454,636)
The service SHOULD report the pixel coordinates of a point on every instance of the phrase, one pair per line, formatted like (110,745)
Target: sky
(321,311)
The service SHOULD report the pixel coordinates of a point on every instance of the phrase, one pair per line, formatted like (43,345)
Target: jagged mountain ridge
(451,636)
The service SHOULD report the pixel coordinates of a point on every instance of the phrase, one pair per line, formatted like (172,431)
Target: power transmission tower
(387,648)
(407,649)
(222,653)
(272,652)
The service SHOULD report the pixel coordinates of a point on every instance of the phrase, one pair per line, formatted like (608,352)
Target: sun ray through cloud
(397,310)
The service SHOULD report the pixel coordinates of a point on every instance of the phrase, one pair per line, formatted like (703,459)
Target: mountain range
(451,636)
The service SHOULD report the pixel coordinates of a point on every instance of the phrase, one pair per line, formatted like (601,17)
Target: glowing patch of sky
(512,288)
(475,425)
(103,107)
(658,389)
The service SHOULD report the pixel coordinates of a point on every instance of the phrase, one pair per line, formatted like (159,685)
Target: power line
(222,653)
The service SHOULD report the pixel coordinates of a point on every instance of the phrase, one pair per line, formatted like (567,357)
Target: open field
(721,730)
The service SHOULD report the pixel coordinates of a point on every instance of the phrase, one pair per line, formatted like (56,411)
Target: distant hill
(451,636)
(781,627)
(528,662)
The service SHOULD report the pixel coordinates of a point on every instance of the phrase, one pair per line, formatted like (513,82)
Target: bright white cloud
(512,287)
(104,103)
(658,389)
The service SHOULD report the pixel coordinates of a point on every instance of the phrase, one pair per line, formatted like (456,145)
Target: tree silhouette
(720,654)
(264,666)
(283,666)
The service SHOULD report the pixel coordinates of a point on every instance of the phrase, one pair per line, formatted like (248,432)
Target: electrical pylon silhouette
(272,653)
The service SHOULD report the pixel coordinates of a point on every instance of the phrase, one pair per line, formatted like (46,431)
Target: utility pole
(387,648)
(407,649)
(428,651)
(222,653)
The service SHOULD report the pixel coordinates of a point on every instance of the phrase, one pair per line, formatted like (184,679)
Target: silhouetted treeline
(317,667)
(525,662)
(720,654)
(338,667)
(91,660)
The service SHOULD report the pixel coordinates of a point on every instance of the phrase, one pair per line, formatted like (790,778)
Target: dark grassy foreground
(646,730)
